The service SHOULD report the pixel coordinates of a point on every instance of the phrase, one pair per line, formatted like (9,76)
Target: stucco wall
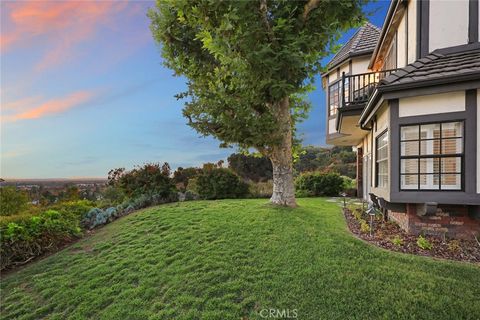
(448,23)
(437,103)
(360,65)
(412,33)
(402,43)
(331,126)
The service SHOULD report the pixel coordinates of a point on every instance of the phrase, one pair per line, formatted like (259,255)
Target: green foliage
(12,201)
(397,241)
(76,208)
(151,178)
(182,176)
(423,243)
(30,237)
(260,189)
(364,226)
(337,159)
(454,246)
(250,167)
(220,183)
(112,196)
(319,184)
(241,58)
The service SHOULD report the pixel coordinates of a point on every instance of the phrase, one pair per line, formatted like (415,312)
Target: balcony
(347,98)
(355,90)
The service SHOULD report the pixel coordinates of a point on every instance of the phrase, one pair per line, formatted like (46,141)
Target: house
(406,98)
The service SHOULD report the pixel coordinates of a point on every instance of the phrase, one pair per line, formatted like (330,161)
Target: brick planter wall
(451,221)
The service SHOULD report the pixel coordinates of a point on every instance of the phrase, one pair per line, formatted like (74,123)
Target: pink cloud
(52,106)
(61,25)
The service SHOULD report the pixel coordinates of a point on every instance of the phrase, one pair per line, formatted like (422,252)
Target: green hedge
(319,184)
(219,183)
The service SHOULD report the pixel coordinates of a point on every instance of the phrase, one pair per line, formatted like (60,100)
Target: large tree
(247,63)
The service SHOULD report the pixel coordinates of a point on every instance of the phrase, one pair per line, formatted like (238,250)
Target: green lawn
(232,259)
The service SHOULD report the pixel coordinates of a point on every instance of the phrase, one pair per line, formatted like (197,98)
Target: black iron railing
(355,90)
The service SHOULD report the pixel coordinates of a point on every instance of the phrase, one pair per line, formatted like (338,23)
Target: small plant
(454,246)
(364,227)
(397,241)
(357,214)
(423,243)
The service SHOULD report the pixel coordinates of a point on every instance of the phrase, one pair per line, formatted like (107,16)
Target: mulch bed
(383,233)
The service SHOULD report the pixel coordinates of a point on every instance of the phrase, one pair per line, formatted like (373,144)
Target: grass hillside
(234,258)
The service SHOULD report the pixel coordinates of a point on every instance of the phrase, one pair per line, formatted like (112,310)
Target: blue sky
(83,90)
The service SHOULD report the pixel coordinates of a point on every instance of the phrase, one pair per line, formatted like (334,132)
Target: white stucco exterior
(431,104)
(331,126)
(448,23)
(402,43)
(360,65)
(412,34)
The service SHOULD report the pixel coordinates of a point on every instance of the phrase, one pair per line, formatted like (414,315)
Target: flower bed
(390,236)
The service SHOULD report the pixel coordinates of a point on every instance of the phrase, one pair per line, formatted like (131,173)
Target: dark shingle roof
(362,42)
(436,65)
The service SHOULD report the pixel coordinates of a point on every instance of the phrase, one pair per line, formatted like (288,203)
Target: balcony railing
(355,90)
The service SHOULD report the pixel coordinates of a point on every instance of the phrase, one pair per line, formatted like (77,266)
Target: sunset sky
(83,90)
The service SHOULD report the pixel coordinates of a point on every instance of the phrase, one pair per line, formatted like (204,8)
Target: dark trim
(459,48)
(471,141)
(423,17)
(432,90)
(473,21)
(350,67)
(438,85)
(366,53)
(406,33)
(386,24)
(434,156)
(469,116)
(394,145)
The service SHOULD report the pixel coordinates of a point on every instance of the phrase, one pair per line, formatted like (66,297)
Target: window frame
(334,83)
(384,132)
(440,156)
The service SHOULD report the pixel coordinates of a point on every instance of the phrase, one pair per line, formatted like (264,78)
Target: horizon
(84,91)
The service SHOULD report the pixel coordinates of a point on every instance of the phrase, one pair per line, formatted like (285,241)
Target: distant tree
(248,63)
(12,201)
(250,167)
(340,160)
(181,176)
(151,178)
(71,193)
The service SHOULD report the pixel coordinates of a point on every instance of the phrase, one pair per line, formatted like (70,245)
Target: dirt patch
(390,236)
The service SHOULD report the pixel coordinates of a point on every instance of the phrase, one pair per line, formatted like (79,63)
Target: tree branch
(264,11)
(309,6)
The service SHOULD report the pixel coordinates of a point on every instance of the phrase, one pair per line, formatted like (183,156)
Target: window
(382,160)
(431,156)
(333,98)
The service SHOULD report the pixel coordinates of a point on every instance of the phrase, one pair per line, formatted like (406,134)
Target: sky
(83,90)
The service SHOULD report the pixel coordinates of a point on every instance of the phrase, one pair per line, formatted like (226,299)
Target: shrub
(30,237)
(151,178)
(76,208)
(112,196)
(260,189)
(397,241)
(364,227)
(12,201)
(319,184)
(423,243)
(220,183)
(454,246)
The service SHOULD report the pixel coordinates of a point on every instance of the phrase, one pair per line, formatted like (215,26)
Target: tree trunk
(281,157)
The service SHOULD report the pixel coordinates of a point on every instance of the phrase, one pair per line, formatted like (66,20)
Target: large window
(382,160)
(333,98)
(431,156)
